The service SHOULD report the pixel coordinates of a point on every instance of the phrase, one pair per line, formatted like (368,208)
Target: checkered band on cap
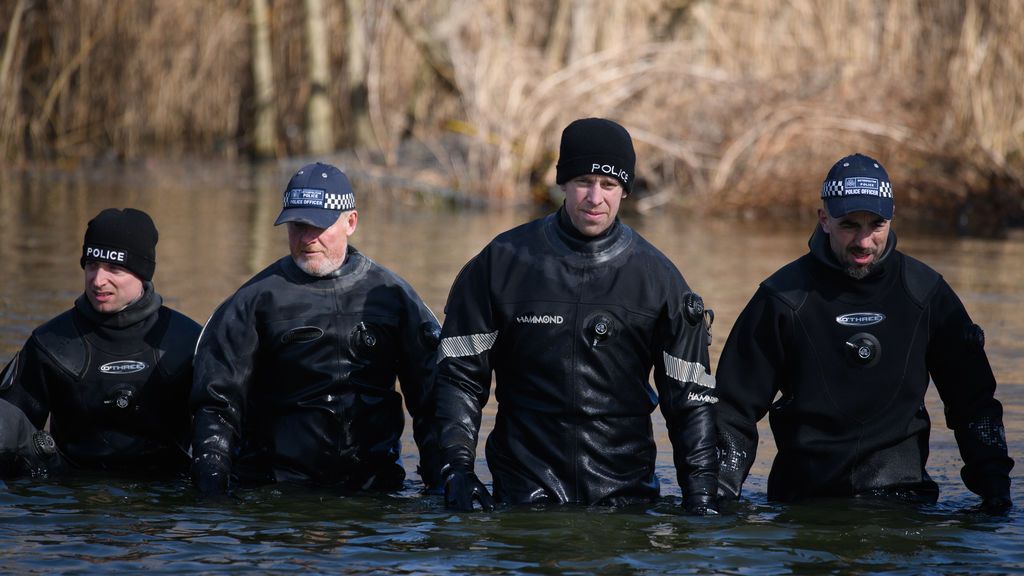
(836,189)
(316,195)
(857,183)
(316,198)
(831,188)
(343,202)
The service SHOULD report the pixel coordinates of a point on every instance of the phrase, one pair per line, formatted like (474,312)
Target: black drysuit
(295,380)
(115,386)
(571,327)
(852,359)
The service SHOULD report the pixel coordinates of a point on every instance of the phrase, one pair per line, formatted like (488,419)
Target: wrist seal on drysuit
(986,472)
(735,457)
(430,474)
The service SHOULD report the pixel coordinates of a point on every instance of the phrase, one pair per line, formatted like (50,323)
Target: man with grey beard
(295,373)
(847,337)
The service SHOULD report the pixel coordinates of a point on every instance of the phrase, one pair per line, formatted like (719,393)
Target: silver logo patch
(123,367)
(302,334)
(860,319)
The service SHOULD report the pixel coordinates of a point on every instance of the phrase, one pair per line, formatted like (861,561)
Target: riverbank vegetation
(735,105)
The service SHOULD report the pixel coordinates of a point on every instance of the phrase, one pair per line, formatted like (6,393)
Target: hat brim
(317,217)
(843,205)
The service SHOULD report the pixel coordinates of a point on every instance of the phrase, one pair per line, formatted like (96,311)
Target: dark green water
(216,230)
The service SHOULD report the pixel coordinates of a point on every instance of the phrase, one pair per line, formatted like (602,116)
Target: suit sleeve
(686,393)
(23,383)
(748,377)
(963,377)
(24,408)
(417,372)
(224,362)
(464,370)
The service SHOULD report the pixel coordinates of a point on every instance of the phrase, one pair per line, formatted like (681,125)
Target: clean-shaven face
(592,202)
(110,288)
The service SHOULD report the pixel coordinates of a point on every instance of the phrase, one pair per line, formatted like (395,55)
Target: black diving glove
(461,487)
(700,505)
(997,504)
(210,474)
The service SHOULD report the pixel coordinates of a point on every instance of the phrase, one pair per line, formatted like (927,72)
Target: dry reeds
(738,103)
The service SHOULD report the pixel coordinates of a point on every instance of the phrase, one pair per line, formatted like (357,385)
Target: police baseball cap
(126,238)
(316,195)
(856,183)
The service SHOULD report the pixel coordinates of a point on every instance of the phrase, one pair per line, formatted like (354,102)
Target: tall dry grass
(734,105)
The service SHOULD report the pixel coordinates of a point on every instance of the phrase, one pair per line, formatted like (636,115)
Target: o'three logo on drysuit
(860,319)
(123,367)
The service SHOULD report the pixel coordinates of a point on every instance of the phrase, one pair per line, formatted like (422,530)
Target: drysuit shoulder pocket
(59,339)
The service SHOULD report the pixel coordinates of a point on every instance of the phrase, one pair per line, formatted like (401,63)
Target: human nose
(309,234)
(99,277)
(592,193)
(864,239)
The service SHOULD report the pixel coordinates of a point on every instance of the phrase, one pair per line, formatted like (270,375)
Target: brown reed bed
(735,105)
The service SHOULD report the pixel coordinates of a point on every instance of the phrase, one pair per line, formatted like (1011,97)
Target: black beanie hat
(596,146)
(123,237)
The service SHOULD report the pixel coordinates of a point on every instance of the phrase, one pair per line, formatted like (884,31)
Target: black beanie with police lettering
(124,237)
(596,146)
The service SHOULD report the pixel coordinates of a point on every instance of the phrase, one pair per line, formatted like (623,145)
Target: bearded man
(295,373)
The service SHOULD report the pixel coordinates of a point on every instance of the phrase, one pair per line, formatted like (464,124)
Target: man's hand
(210,475)
(461,487)
(701,505)
(997,505)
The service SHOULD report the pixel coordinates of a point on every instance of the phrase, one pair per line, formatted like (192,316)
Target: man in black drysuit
(849,334)
(571,312)
(113,373)
(295,373)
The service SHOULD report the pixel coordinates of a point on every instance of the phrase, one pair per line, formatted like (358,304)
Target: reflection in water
(160,527)
(216,230)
